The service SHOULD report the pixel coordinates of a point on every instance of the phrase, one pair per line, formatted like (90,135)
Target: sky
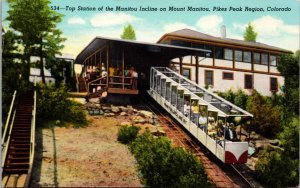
(276,28)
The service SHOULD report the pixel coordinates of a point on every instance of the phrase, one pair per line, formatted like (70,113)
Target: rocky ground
(90,156)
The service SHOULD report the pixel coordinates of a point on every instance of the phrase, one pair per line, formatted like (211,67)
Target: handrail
(6,146)
(8,117)
(98,79)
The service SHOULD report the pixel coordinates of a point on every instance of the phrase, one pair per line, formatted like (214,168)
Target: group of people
(116,76)
(207,123)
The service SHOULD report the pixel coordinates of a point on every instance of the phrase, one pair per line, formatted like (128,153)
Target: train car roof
(172,50)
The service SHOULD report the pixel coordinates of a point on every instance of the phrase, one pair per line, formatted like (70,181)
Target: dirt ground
(84,157)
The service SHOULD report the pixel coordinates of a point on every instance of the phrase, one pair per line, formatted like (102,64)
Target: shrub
(276,169)
(52,104)
(266,119)
(162,165)
(127,134)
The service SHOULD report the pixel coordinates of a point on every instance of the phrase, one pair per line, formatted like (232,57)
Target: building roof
(167,51)
(191,34)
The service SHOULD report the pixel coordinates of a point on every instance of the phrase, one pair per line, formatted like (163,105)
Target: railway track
(221,174)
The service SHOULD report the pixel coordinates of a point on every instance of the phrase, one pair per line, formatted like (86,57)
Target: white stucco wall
(262,68)
(242,65)
(223,63)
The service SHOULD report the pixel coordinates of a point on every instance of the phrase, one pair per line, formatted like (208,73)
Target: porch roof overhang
(164,50)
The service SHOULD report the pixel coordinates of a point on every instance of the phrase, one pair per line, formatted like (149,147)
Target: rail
(5,149)
(123,81)
(32,137)
(8,117)
(92,83)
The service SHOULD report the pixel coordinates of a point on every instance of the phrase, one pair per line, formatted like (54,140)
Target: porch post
(123,72)
(107,61)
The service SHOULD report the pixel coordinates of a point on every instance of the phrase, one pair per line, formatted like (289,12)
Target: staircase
(17,160)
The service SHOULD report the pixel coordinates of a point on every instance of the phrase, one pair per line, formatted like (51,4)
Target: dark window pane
(238,55)
(180,43)
(187,73)
(256,58)
(227,76)
(228,54)
(248,82)
(208,77)
(247,57)
(204,47)
(274,85)
(264,59)
(273,61)
(219,53)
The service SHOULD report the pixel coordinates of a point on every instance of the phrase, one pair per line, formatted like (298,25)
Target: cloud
(268,26)
(177,26)
(112,19)
(210,24)
(76,20)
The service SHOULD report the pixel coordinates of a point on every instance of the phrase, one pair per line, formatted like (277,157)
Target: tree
(250,34)
(36,23)
(128,33)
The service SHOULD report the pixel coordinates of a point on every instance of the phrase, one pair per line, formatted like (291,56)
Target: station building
(232,64)
(218,63)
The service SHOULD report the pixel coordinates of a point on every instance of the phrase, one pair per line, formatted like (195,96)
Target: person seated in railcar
(203,121)
(195,112)
(211,127)
(186,108)
(230,133)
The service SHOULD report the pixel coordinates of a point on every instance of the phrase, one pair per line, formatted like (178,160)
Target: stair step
(16,171)
(19,154)
(18,160)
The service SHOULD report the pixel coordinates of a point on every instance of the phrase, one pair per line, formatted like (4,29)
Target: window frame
(228,59)
(242,53)
(244,57)
(190,72)
(252,83)
(276,60)
(212,77)
(254,59)
(271,89)
(223,77)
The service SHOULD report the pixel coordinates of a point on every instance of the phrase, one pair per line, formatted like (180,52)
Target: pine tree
(128,33)
(250,34)
(36,23)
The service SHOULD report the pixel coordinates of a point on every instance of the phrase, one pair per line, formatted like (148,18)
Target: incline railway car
(209,118)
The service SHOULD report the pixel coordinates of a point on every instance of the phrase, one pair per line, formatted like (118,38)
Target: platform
(123,91)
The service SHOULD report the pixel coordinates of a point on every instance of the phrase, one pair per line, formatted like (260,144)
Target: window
(186,73)
(248,81)
(264,59)
(247,57)
(227,76)
(205,47)
(273,84)
(219,53)
(209,78)
(273,60)
(228,54)
(256,57)
(238,55)
(180,43)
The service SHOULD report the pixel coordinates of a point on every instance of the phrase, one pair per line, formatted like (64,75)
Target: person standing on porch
(111,73)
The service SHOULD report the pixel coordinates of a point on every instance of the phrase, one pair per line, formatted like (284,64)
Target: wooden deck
(123,91)
(77,94)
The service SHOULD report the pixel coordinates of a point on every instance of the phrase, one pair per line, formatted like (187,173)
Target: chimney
(223,31)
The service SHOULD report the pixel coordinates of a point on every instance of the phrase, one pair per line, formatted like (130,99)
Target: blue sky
(275,28)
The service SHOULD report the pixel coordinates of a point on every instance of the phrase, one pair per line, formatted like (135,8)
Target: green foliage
(53,104)
(267,117)
(165,166)
(276,169)
(36,23)
(289,68)
(128,33)
(250,34)
(127,134)
(238,98)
